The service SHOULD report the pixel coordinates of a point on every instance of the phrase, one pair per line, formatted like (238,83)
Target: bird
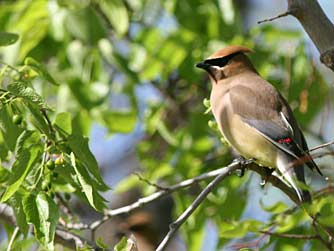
(255,119)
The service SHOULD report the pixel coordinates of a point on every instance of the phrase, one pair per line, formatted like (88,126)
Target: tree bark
(319,28)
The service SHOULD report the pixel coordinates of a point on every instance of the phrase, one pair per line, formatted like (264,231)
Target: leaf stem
(12,239)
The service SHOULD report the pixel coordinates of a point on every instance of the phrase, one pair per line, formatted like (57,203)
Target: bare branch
(274,18)
(314,21)
(275,181)
(292,236)
(184,216)
(148,199)
(322,146)
(140,177)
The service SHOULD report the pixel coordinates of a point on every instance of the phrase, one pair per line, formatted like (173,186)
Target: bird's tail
(293,174)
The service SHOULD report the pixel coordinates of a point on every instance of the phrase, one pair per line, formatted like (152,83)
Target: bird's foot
(243,164)
(267,176)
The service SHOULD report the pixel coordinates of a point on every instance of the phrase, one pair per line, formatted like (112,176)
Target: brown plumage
(254,118)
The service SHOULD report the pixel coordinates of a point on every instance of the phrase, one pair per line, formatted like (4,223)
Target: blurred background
(126,73)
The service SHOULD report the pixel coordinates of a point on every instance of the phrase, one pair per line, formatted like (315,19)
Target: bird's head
(227,62)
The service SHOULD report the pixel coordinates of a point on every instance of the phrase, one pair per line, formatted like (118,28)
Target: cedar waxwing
(254,118)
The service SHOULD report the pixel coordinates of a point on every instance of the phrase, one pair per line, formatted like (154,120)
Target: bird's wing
(267,114)
(287,112)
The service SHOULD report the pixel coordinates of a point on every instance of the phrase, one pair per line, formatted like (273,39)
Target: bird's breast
(243,138)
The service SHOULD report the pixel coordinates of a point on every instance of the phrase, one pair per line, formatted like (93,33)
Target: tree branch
(316,24)
(274,18)
(322,146)
(73,241)
(275,181)
(265,174)
(70,240)
(167,190)
(12,239)
(292,236)
(184,216)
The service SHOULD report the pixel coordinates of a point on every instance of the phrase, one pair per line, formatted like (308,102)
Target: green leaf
(42,212)
(7,38)
(80,148)
(94,199)
(32,23)
(38,120)
(63,122)
(100,243)
(23,140)
(85,94)
(9,130)
(227,11)
(122,122)
(82,122)
(127,184)
(20,89)
(291,221)
(276,208)
(172,47)
(4,174)
(116,12)
(86,25)
(122,64)
(121,245)
(239,229)
(17,205)
(166,134)
(21,167)
(40,69)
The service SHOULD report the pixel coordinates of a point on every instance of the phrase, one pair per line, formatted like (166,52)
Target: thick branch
(314,21)
(318,27)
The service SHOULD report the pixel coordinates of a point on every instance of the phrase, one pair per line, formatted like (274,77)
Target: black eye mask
(220,61)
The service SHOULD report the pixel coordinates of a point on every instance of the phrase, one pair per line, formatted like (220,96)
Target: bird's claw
(243,164)
(265,178)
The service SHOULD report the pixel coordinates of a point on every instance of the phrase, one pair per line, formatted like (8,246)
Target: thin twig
(315,225)
(45,115)
(185,215)
(292,236)
(322,146)
(12,239)
(73,241)
(9,66)
(75,226)
(276,17)
(140,177)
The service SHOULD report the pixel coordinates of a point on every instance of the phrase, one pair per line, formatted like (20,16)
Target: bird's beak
(203,65)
